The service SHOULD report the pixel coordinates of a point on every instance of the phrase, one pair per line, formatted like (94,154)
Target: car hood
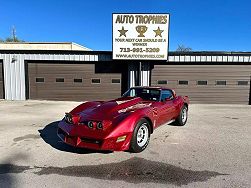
(111,109)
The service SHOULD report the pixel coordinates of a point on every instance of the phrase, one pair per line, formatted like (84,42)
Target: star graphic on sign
(122,32)
(158,32)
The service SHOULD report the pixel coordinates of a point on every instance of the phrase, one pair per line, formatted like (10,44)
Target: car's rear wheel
(141,136)
(182,118)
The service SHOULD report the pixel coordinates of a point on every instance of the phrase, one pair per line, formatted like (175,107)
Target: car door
(167,109)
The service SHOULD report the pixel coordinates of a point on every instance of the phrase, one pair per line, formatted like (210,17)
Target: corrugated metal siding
(210,58)
(1,81)
(231,93)
(132,69)
(145,74)
(68,90)
(14,79)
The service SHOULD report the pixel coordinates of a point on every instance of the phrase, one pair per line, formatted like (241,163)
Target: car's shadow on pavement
(49,135)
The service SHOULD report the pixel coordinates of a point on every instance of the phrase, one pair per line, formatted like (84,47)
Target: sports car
(124,123)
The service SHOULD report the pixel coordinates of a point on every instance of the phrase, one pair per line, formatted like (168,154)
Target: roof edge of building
(78,49)
(210,52)
(47,46)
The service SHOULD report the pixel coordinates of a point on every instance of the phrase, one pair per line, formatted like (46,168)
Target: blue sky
(214,25)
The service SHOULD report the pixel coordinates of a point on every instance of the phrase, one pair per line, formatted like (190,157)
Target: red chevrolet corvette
(125,123)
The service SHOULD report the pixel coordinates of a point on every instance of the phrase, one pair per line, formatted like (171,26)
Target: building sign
(140,36)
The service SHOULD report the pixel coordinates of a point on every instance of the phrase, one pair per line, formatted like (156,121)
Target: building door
(71,81)
(229,84)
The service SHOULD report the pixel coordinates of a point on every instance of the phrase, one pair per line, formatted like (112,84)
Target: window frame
(172,98)
(220,81)
(77,79)
(116,82)
(95,79)
(132,91)
(246,81)
(39,78)
(183,81)
(197,82)
(56,80)
(161,83)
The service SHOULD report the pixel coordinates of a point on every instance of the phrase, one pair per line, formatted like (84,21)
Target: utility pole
(13,33)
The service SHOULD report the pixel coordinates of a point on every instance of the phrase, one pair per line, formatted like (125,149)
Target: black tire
(181,121)
(141,126)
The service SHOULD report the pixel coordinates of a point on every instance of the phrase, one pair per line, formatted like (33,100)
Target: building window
(162,82)
(242,83)
(59,79)
(96,81)
(78,80)
(39,80)
(183,82)
(116,81)
(221,82)
(202,82)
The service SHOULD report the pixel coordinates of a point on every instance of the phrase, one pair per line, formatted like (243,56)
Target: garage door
(206,83)
(1,81)
(77,82)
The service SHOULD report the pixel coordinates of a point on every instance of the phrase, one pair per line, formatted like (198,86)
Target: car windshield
(144,93)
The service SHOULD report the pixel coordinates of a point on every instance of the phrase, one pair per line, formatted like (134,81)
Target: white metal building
(68,71)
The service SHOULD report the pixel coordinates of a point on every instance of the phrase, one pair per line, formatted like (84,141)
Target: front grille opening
(93,141)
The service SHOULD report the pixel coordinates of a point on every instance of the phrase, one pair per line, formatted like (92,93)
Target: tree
(13,37)
(10,39)
(182,48)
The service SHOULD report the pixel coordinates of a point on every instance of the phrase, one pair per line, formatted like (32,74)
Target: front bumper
(82,139)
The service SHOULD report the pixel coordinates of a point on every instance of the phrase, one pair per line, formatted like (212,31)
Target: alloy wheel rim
(184,115)
(142,135)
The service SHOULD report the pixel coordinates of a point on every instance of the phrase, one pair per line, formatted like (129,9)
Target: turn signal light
(121,138)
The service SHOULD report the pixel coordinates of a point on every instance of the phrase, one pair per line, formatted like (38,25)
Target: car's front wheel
(141,136)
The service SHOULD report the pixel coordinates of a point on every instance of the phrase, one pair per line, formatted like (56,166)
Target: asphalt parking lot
(212,150)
